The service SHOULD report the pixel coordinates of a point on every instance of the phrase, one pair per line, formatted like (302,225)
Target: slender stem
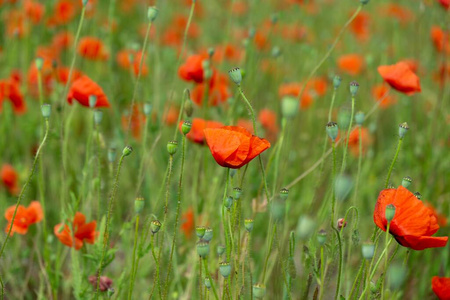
(385,259)
(358,174)
(338,284)
(156,281)
(344,158)
(224,222)
(133,262)
(210,279)
(357,281)
(322,273)
(386,183)
(333,198)
(268,252)
(200,281)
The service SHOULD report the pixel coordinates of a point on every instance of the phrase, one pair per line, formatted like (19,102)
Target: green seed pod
(221,249)
(390,212)
(402,130)
(259,290)
(152,13)
(188,107)
(127,150)
(364,2)
(139,205)
(336,81)
(359,118)
(225,269)
(200,231)
(186,127)
(354,86)
(237,192)
(368,250)
(172,147)
(85,2)
(284,193)
(155,226)
(208,234)
(211,52)
(228,202)
(46,110)
(248,224)
(207,283)
(289,107)
(235,75)
(92,101)
(276,52)
(39,61)
(332,130)
(147,108)
(406,181)
(202,248)
(98,116)
(322,237)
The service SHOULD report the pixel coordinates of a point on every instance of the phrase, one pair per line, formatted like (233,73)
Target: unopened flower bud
(359,118)
(332,130)
(248,224)
(225,269)
(207,283)
(259,290)
(237,192)
(235,75)
(208,234)
(139,205)
(202,248)
(276,51)
(39,61)
(367,250)
(336,81)
(46,110)
(92,101)
(152,13)
(147,108)
(390,212)
(98,116)
(200,231)
(85,2)
(172,147)
(127,150)
(284,193)
(186,127)
(402,130)
(418,195)
(188,107)
(289,107)
(354,88)
(322,237)
(228,202)
(155,226)
(341,223)
(406,181)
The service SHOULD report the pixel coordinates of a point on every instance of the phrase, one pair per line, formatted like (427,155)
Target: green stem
(210,279)
(224,222)
(333,198)
(133,262)
(344,158)
(322,274)
(358,174)
(156,281)
(386,183)
(385,259)
(268,252)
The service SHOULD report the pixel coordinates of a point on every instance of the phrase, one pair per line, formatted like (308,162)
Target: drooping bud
(186,127)
(354,88)
(139,205)
(289,107)
(208,234)
(155,226)
(284,194)
(359,118)
(202,248)
(188,106)
(390,212)
(152,13)
(406,181)
(200,231)
(172,147)
(98,116)
(92,101)
(248,224)
(402,130)
(332,130)
(225,269)
(341,223)
(336,81)
(235,75)
(322,237)
(259,290)
(127,150)
(46,110)
(368,250)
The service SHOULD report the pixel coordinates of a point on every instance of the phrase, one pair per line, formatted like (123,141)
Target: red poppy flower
(293,89)
(123,60)
(268,119)
(351,64)
(440,39)
(399,12)
(197,134)
(441,287)
(401,78)
(234,147)
(84,232)
(413,224)
(62,74)
(137,122)
(360,26)
(441,219)
(62,40)
(187,222)
(380,93)
(25,216)
(92,48)
(353,140)
(84,87)
(64,12)
(9,178)
(34,11)
(9,89)
(192,69)
(445,3)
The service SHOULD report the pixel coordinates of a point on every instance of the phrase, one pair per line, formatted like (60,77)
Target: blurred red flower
(352,64)
(400,77)
(197,134)
(25,216)
(92,48)
(84,87)
(9,89)
(192,69)
(380,93)
(84,232)
(9,178)
(441,287)
(187,222)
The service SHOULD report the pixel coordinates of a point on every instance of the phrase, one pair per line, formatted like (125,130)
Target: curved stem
(386,183)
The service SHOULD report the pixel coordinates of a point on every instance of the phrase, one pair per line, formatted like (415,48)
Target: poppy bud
(46,110)
(111,154)
(138,205)
(186,127)
(39,61)
(225,269)
(341,223)
(403,129)
(208,234)
(344,117)
(98,116)
(390,212)
(248,224)
(92,101)
(211,52)
(200,231)
(228,202)
(336,81)
(367,250)
(284,193)
(172,147)
(147,108)
(354,88)
(152,13)
(343,186)
(155,226)
(237,192)
(305,227)
(207,283)
(235,75)
(220,249)
(202,248)
(332,129)
(85,2)
(188,107)
(127,150)
(276,51)
(418,195)
(359,118)
(364,2)
(322,237)
(289,107)
(259,290)
(406,181)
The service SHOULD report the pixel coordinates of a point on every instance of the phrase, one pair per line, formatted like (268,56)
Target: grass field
(240,149)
